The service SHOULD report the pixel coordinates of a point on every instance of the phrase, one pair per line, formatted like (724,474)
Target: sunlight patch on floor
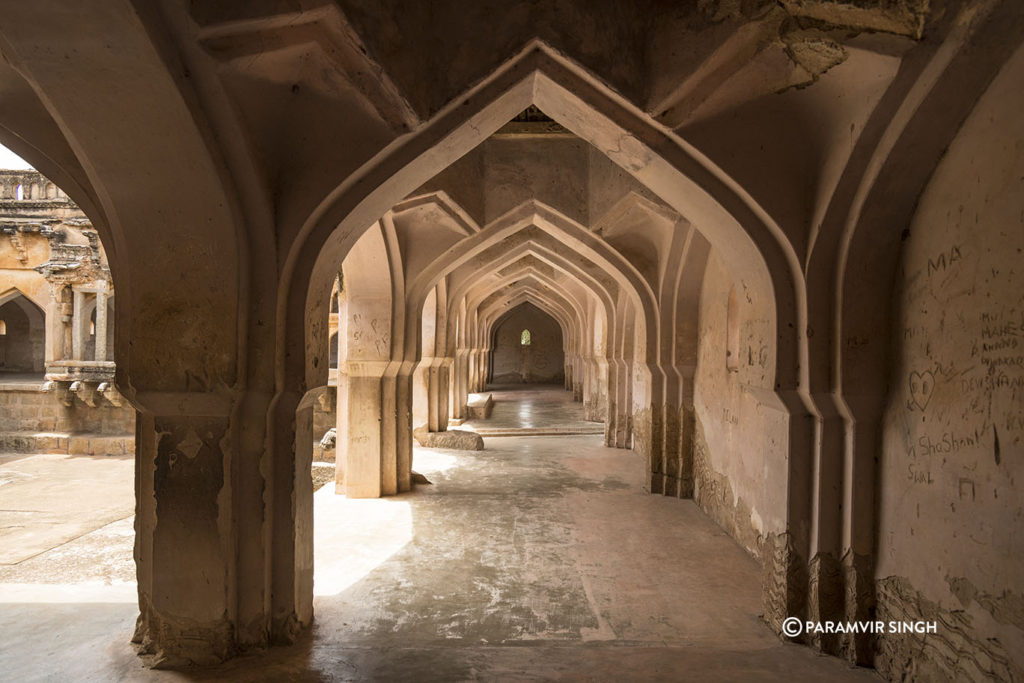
(354,536)
(428,460)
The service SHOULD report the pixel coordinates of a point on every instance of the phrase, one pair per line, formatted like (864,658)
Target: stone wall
(33,420)
(739,440)
(543,361)
(953,446)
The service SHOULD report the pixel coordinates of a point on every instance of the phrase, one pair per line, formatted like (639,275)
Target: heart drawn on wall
(922,386)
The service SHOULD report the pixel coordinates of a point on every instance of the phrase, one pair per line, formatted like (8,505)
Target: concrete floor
(533,409)
(49,500)
(539,558)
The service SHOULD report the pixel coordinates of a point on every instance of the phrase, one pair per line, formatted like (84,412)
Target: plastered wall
(543,361)
(549,170)
(951,544)
(740,439)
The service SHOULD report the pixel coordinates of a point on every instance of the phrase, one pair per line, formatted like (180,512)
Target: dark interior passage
(21,336)
(527,348)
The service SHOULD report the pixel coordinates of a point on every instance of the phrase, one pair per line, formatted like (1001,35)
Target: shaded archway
(22,336)
(710,202)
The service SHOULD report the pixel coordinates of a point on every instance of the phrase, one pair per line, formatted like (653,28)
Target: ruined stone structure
(782,242)
(57,390)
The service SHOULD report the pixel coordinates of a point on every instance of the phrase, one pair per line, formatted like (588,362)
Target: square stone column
(101,326)
(77,338)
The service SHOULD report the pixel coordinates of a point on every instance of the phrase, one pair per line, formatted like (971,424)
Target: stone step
(479,406)
(541,431)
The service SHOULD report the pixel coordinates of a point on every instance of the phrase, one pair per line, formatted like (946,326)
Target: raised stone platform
(530,410)
(479,406)
(34,420)
(541,431)
(66,443)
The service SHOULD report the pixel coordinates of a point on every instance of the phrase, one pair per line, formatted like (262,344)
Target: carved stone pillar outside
(77,337)
(101,326)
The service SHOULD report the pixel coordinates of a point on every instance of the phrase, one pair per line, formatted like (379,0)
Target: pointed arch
(743,232)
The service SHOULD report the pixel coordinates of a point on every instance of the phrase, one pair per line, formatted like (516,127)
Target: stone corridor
(522,409)
(741,280)
(539,558)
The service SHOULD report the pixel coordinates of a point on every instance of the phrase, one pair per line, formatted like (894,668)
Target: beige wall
(738,480)
(953,452)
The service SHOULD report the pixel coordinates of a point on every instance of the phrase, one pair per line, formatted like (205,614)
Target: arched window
(19,192)
(3,327)
(524,338)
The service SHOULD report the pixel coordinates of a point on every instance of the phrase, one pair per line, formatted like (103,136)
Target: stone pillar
(421,401)
(55,326)
(183,545)
(623,403)
(77,338)
(460,381)
(439,393)
(434,392)
(374,441)
(578,376)
(357,458)
(101,326)
(67,308)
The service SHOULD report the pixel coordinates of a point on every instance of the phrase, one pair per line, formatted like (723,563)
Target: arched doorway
(527,348)
(22,335)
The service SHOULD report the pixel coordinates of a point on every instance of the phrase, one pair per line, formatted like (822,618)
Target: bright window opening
(524,338)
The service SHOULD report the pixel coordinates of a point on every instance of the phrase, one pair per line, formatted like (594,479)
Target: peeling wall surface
(952,464)
(542,361)
(737,474)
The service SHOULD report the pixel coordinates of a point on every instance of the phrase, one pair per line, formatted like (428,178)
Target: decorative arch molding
(497,314)
(523,271)
(560,309)
(746,236)
(741,231)
(445,204)
(570,316)
(14,293)
(536,214)
(545,255)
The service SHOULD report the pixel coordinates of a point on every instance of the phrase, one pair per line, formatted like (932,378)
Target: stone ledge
(540,431)
(28,386)
(66,443)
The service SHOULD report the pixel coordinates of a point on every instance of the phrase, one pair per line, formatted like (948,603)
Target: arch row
(253,349)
